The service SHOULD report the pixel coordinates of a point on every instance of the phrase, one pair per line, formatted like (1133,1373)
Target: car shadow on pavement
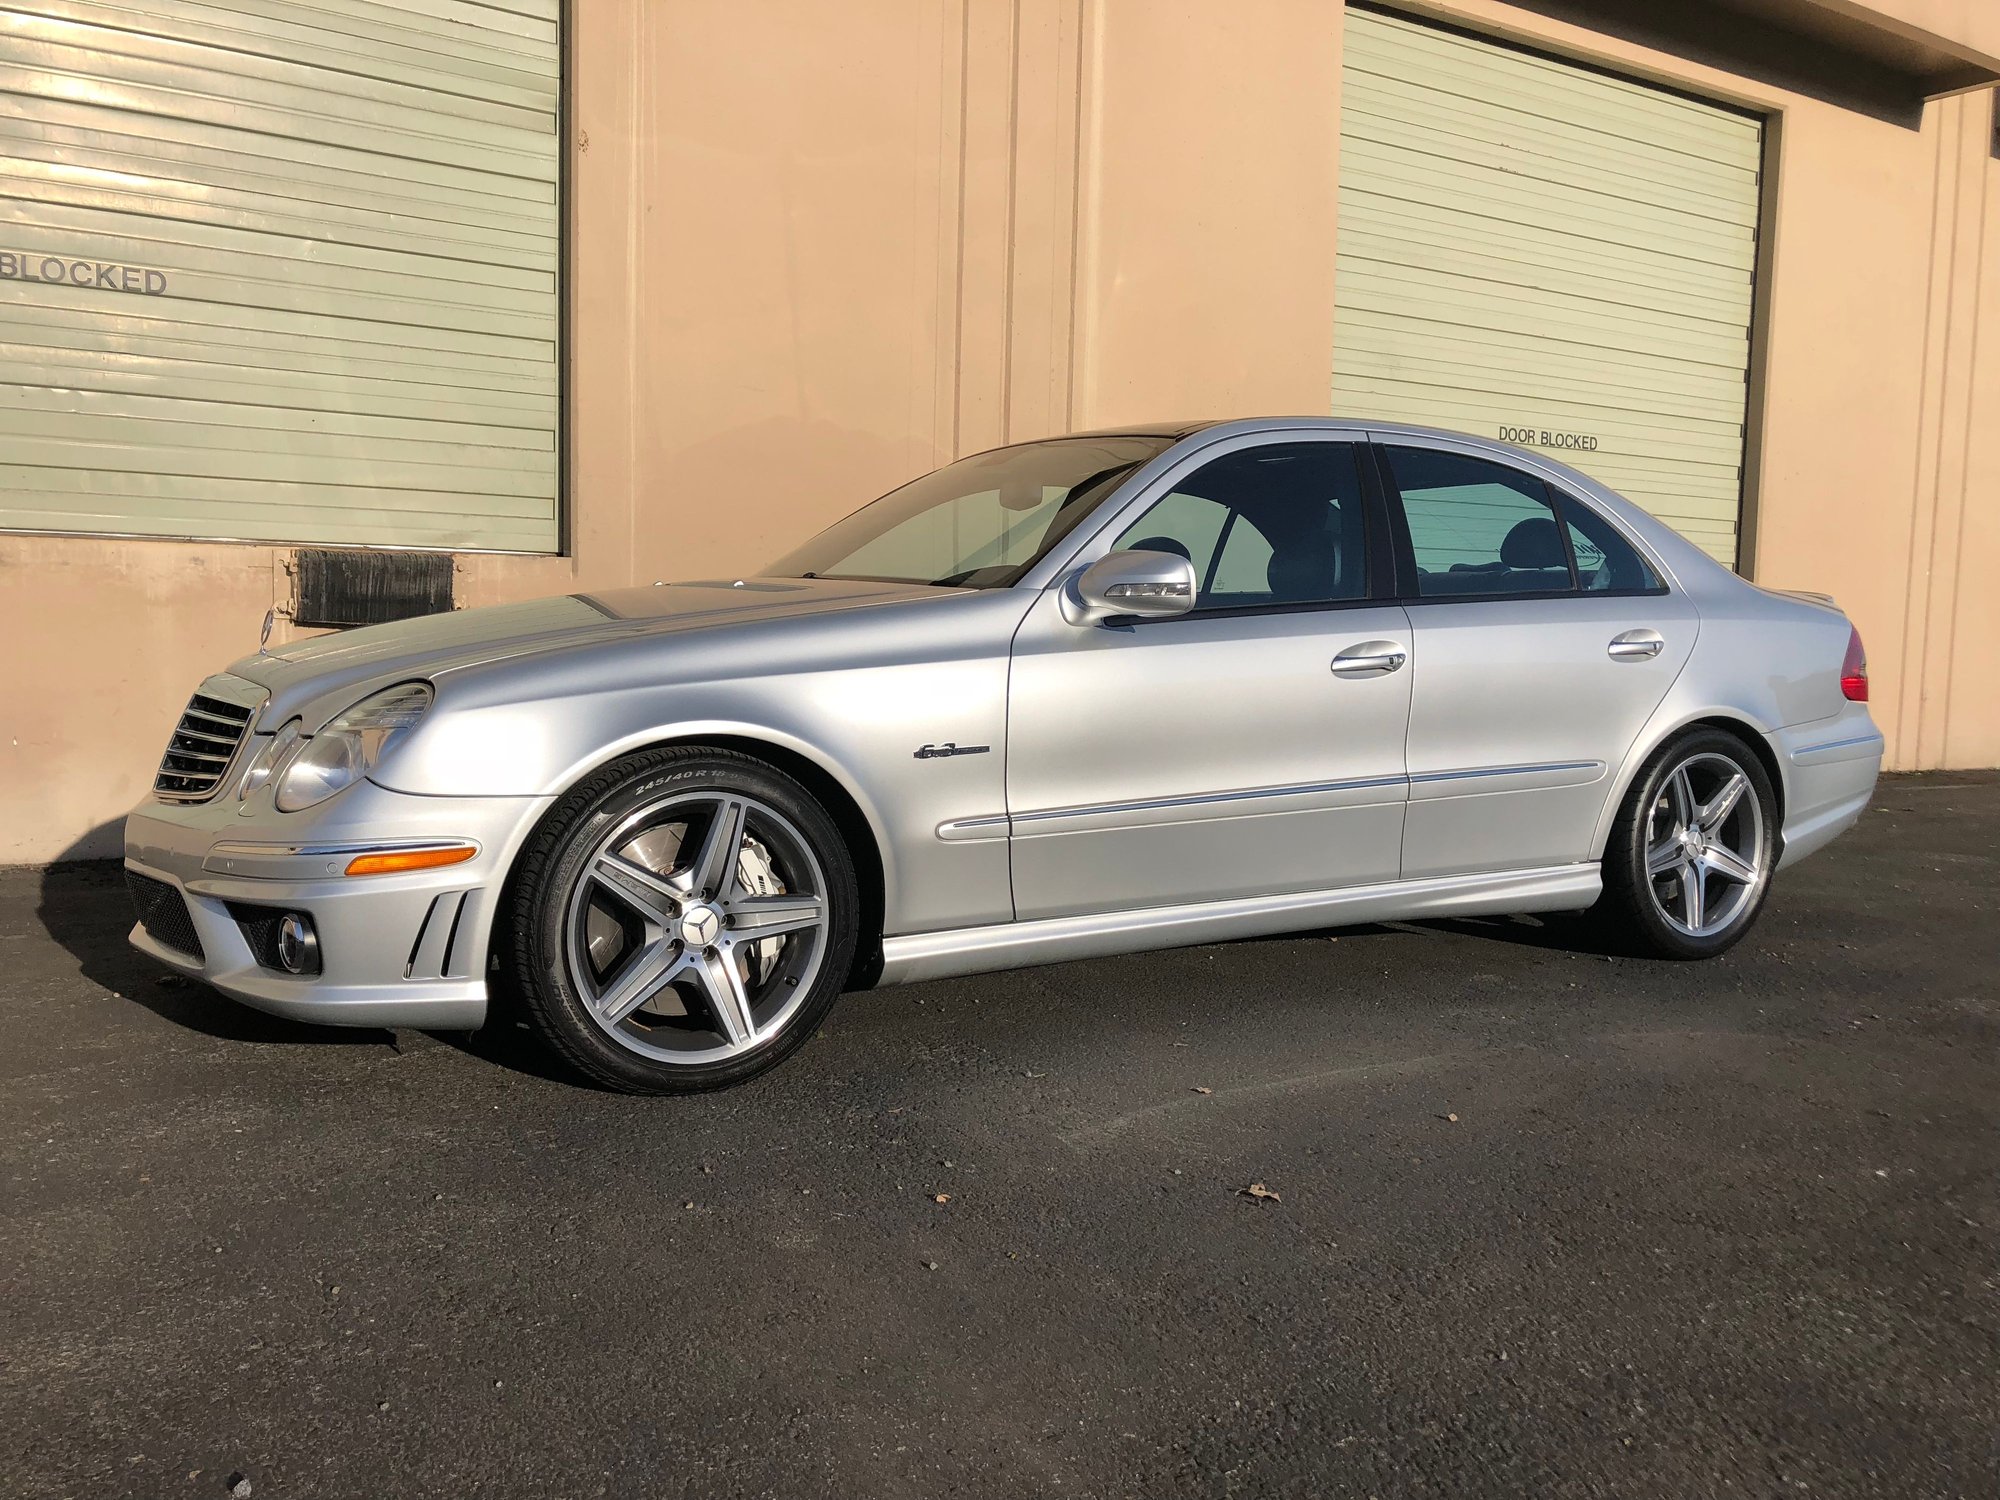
(1562,932)
(504,1042)
(83,906)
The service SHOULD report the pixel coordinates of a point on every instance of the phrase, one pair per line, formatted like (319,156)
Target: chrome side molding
(1856,747)
(1306,796)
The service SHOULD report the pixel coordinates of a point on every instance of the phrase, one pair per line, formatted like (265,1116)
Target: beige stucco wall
(818,251)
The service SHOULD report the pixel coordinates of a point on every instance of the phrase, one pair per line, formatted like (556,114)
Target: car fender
(709,730)
(864,728)
(1671,719)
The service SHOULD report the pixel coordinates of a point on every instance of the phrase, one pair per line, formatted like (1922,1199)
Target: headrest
(1161,544)
(1307,569)
(1534,543)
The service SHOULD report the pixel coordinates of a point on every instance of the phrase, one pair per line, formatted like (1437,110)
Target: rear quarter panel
(1769,663)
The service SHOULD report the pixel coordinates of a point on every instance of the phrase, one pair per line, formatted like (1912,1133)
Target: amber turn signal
(395,861)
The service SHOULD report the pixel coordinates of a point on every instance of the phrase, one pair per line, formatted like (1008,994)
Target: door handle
(1636,645)
(1369,659)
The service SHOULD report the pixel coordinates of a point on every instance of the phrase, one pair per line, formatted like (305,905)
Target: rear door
(1543,642)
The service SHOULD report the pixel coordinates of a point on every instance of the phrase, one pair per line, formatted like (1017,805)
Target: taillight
(1854,670)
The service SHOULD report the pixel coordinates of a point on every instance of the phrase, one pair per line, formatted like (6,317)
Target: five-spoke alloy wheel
(1705,852)
(1690,859)
(682,920)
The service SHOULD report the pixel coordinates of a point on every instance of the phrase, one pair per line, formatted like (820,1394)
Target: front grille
(163,913)
(204,743)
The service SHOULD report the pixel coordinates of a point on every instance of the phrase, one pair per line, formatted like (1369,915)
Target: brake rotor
(758,877)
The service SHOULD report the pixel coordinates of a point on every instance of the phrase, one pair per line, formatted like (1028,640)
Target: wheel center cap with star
(700,926)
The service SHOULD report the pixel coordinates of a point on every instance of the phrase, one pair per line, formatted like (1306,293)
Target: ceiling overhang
(1943,46)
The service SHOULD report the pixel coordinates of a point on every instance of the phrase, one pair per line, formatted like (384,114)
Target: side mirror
(1132,585)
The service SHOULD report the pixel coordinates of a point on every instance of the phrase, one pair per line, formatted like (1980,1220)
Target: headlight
(269,759)
(352,745)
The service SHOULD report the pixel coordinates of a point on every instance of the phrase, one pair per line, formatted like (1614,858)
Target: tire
(644,890)
(1729,856)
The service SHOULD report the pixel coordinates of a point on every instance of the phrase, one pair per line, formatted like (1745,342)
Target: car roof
(1140,429)
(1294,422)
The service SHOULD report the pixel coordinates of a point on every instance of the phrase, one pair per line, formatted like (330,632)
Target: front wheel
(682,921)
(1689,862)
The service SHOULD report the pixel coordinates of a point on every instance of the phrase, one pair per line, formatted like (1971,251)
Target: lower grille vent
(163,913)
(259,925)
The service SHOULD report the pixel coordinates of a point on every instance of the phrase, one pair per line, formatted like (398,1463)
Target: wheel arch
(805,765)
(864,841)
(1732,722)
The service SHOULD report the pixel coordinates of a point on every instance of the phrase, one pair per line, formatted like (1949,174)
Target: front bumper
(394,950)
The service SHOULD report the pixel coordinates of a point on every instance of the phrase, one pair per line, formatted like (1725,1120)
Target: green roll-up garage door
(280,270)
(1545,253)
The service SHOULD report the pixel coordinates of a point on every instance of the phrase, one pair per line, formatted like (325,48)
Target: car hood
(344,664)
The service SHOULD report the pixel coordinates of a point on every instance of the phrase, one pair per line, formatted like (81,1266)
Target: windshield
(979,523)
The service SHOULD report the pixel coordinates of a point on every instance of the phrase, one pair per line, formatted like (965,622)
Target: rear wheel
(682,921)
(1689,862)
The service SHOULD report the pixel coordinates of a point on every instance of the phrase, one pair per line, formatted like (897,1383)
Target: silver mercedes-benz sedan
(1083,696)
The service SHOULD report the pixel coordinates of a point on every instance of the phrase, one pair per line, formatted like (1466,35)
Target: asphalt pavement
(1534,1221)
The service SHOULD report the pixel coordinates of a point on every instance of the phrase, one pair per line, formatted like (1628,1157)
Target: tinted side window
(1604,559)
(1478,527)
(1279,524)
(1183,523)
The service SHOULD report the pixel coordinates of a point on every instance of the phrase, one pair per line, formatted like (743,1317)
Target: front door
(1227,752)
(1543,644)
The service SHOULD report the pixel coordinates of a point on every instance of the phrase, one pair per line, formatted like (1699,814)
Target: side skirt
(1048,940)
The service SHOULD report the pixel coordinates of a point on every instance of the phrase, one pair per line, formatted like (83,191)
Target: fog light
(298,944)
